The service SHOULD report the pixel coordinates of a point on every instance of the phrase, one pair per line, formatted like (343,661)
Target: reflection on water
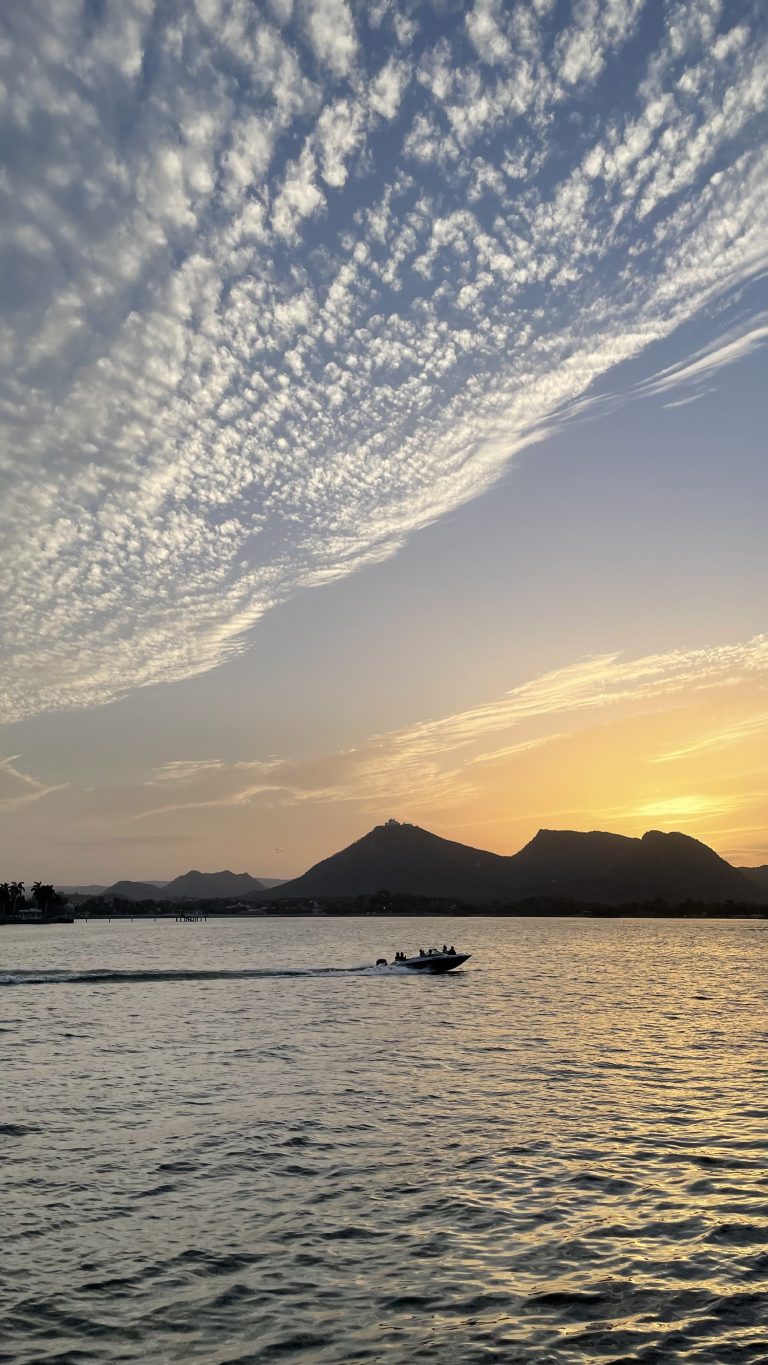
(555,1155)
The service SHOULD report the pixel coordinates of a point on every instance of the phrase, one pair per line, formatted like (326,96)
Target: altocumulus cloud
(285,282)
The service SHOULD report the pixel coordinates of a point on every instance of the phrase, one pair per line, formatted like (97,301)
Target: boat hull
(437,963)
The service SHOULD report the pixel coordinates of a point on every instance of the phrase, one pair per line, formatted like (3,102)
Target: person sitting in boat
(452,950)
(444,949)
(422,953)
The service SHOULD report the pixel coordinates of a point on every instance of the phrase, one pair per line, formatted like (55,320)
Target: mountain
(611,869)
(211,885)
(134,891)
(397,857)
(615,869)
(557,859)
(757,874)
(675,867)
(189,886)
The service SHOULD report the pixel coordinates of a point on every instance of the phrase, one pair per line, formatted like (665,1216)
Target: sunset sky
(384,427)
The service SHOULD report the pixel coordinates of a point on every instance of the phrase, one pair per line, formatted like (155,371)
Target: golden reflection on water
(557,1155)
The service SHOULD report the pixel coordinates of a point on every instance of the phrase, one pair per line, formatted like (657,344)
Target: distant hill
(675,867)
(757,874)
(211,885)
(594,866)
(556,860)
(610,869)
(190,886)
(403,858)
(134,891)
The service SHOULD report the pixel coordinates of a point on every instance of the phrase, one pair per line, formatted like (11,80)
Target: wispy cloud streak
(444,761)
(17,788)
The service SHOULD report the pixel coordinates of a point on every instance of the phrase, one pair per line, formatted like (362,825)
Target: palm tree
(44,896)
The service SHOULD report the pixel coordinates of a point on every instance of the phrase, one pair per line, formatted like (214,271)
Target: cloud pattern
(285,282)
(440,762)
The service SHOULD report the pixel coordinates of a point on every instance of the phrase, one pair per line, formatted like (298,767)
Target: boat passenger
(422,953)
(452,950)
(444,949)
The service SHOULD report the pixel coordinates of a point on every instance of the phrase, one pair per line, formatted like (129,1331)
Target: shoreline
(714,912)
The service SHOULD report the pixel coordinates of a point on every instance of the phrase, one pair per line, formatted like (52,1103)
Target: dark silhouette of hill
(211,885)
(133,891)
(403,858)
(675,867)
(556,860)
(757,874)
(608,869)
(190,886)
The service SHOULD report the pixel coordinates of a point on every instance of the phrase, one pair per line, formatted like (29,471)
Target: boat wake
(113,977)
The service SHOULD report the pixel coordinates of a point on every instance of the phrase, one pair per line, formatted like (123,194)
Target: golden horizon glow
(677,741)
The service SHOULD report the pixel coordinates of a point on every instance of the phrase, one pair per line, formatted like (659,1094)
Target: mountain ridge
(757,874)
(196,885)
(580,865)
(192,885)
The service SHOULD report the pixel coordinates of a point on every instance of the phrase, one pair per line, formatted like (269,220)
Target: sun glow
(684,810)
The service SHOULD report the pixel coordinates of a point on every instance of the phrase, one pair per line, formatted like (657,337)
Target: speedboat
(432,961)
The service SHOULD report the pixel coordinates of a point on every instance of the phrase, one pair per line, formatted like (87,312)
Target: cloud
(437,764)
(332,34)
(751,727)
(299,197)
(704,365)
(272,304)
(486,31)
(386,89)
(18,788)
(674,740)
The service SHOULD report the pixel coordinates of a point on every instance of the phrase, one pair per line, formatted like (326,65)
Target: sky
(383,399)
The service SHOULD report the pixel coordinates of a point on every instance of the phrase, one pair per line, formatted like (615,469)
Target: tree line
(13,898)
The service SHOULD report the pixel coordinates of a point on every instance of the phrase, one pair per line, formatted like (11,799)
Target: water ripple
(209,1156)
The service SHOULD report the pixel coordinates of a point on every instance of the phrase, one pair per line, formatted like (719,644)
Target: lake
(558,1154)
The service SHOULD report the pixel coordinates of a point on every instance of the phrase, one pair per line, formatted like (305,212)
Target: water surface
(217,1147)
